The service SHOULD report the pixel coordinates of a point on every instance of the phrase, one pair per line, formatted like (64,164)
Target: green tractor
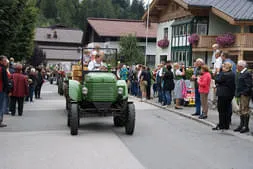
(99,93)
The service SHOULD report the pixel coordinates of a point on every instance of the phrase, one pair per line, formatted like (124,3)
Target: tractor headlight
(120,91)
(85,90)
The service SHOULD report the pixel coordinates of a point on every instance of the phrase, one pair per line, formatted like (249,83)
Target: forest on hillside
(19,18)
(74,13)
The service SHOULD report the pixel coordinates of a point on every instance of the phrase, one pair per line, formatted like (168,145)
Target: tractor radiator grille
(102,92)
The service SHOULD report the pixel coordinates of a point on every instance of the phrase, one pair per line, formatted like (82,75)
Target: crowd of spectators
(18,84)
(224,79)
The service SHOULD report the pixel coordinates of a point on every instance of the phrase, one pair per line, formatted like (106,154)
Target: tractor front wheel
(130,121)
(74,119)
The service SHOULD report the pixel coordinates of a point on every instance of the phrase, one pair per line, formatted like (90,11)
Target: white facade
(160,35)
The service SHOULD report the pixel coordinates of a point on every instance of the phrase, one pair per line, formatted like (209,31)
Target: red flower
(226,40)
(164,43)
(193,39)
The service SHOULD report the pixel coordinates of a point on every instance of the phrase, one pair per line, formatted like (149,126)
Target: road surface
(162,140)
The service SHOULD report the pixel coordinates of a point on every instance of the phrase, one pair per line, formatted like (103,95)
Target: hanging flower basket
(164,43)
(194,39)
(226,40)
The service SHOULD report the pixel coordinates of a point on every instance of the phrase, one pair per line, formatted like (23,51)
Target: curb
(247,137)
(207,123)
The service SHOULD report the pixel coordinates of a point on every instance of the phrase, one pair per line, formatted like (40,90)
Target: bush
(189,73)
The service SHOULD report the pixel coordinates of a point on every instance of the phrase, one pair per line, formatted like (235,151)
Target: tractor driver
(97,64)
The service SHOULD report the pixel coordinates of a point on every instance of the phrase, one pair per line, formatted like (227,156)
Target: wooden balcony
(243,42)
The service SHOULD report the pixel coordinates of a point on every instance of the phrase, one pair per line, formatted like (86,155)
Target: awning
(182,21)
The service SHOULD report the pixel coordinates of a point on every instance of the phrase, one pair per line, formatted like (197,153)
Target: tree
(37,58)
(17,24)
(130,51)
(98,9)
(22,45)
(9,22)
(48,8)
(74,13)
(137,9)
(68,12)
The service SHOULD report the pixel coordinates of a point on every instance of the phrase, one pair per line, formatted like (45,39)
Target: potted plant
(164,43)
(193,39)
(188,73)
(226,40)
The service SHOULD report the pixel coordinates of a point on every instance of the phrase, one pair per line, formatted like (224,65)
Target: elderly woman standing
(20,90)
(204,87)
(179,83)
(225,82)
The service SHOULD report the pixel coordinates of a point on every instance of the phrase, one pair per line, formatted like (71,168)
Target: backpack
(10,85)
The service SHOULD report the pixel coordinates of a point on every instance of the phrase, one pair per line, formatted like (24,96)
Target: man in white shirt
(97,64)
(215,48)
(217,63)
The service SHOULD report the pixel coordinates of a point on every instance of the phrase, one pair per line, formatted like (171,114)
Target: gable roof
(237,9)
(121,27)
(64,35)
(236,12)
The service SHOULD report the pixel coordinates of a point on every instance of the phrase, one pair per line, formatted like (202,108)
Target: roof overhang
(155,7)
(102,34)
(215,11)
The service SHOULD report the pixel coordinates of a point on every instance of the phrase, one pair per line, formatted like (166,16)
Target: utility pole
(147,30)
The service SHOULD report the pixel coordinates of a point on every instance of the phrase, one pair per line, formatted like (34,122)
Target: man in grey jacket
(243,90)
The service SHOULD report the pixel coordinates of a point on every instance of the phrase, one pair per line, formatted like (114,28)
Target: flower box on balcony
(164,43)
(226,40)
(194,39)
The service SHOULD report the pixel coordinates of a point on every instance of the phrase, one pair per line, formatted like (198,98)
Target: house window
(184,30)
(176,31)
(181,56)
(150,60)
(165,32)
(163,58)
(188,29)
(202,29)
(180,30)
(250,29)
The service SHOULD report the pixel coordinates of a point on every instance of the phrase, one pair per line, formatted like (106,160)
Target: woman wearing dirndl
(179,82)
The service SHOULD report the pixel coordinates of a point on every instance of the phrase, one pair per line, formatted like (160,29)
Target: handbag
(184,89)
(235,106)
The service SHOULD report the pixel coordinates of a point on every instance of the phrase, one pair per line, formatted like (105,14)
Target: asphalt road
(162,140)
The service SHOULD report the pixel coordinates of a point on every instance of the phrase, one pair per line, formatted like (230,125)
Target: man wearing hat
(93,55)
(12,66)
(97,64)
(20,90)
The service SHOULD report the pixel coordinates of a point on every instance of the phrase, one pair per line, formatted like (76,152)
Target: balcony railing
(242,40)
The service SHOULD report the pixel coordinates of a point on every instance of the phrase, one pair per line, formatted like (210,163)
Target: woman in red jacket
(204,85)
(20,90)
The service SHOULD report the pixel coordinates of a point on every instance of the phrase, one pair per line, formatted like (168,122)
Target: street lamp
(147,29)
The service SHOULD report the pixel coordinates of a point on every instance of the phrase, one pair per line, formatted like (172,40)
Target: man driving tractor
(97,64)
